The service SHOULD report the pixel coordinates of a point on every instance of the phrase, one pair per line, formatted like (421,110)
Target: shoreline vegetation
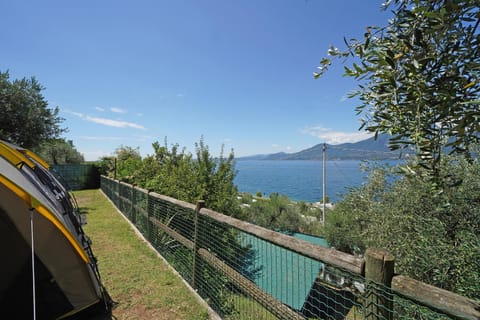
(280,213)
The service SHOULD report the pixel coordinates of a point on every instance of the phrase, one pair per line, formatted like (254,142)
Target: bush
(433,230)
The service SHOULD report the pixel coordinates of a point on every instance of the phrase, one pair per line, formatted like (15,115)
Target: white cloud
(275,145)
(118,110)
(108,122)
(335,137)
(114,123)
(138,138)
(77,114)
(288,148)
(100,109)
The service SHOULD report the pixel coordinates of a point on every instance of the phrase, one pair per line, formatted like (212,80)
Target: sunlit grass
(246,309)
(136,278)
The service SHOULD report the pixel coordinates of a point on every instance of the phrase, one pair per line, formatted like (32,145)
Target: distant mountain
(272,156)
(369,149)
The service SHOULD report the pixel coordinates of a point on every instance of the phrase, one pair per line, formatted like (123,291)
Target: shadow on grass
(102,317)
(99,315)
(84,210)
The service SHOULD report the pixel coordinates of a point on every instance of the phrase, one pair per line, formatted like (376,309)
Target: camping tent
(41,238)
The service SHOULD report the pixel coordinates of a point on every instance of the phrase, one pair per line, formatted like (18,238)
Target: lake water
(298,179)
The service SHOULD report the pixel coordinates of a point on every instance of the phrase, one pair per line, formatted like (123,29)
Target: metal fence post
(200,205)
(379,271)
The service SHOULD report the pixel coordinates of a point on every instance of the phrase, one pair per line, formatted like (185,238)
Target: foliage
(128,161)
(435,236)
(279,213)
(60,151)
(418,80)
(176,173)
(419,77)
(106,166)
(326,200)
(26,118)
(276,214)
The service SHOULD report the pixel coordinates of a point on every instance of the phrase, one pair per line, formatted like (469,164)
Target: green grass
(247,309)
(136,278)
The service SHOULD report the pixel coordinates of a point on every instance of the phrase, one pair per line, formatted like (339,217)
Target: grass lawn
(137,279)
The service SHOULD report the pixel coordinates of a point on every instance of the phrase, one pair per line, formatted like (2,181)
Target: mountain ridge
(368,149)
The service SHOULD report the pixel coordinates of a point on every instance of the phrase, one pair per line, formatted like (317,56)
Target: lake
(300,180)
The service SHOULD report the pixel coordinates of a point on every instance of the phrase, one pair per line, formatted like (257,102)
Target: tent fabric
(67,280)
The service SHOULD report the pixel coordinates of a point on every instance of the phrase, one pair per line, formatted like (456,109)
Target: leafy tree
(176,173)
(59,151)
(128,162)
(216,178)
(106,166)
(26,118)
(419,81)
(277,213)
(419,77)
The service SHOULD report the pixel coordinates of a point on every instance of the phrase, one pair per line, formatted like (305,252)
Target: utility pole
(324,149)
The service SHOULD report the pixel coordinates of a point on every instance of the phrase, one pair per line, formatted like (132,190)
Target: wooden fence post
(149,205)
(379,271)
(133,216)
(114,168)
(200,205)
(118,194)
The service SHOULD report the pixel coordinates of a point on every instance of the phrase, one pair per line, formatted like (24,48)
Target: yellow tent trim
(78,310)
(34,203)
(15,157)
(36,158)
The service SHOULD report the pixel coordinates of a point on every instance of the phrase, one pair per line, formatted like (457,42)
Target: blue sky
(238,73)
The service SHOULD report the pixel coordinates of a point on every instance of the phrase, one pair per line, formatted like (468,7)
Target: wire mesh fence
(246,272)
(77,176)
(404,309)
